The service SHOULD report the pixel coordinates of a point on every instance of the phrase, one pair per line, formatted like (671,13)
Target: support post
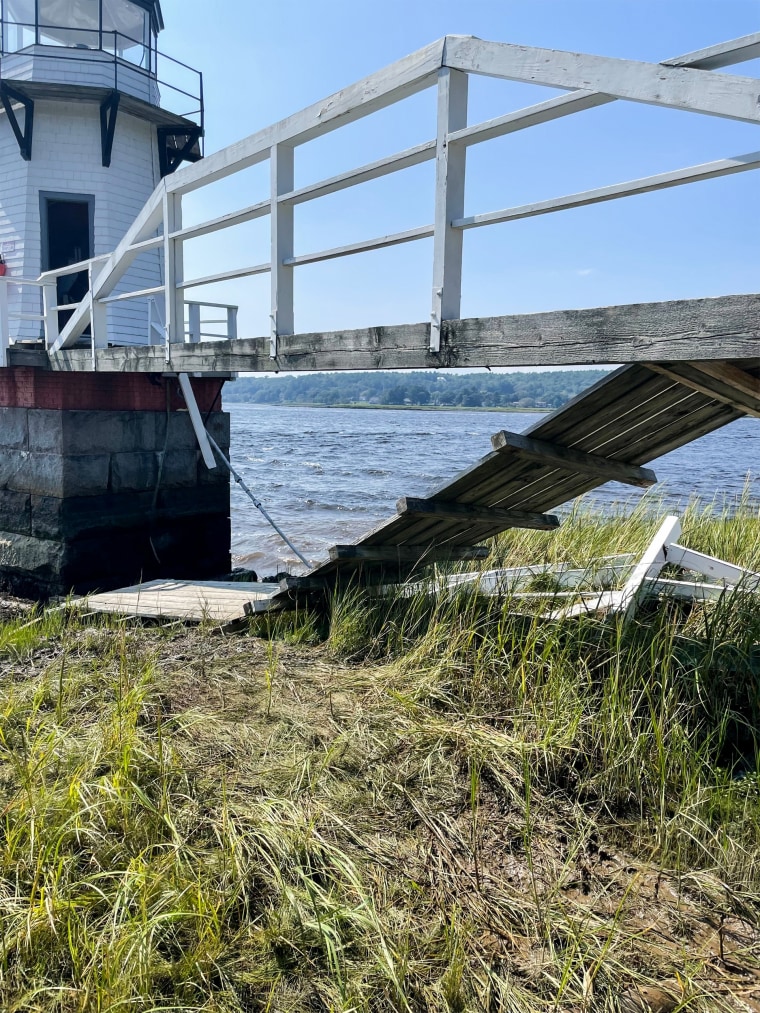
(5,336)
(195,417)
(282,159)
(173,270)
(450,162)
(50,311)
(98,322)
(232,315)
(194,322)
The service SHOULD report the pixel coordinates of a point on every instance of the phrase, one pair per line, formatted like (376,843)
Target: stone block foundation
(102,483)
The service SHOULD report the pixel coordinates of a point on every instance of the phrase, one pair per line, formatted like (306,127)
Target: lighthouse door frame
(84,201)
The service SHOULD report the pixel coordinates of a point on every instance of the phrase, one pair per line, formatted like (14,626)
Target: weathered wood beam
(408,553)
(690,375)
(725,95)
(556,455)
(477,514)
(700,329)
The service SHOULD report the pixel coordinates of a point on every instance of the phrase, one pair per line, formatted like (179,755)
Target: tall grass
(446,805)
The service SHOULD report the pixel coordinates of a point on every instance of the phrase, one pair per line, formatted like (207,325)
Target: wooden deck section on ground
(191,601)
(634,415)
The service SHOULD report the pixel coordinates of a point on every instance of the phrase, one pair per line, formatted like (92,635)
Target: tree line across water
(549,389)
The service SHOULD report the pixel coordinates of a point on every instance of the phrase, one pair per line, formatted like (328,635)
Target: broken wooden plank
(477,514)
(408,553)
(572,460)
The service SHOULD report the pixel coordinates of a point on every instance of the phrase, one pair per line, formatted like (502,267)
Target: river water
(327,475)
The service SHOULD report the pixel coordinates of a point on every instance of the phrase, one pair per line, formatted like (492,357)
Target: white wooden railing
(197,324)
(590,81)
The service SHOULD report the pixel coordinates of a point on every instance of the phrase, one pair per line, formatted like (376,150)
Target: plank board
(191,601)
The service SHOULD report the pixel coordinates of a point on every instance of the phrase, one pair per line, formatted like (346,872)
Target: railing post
(50,311)
(194,321)
(173,273)
(449,202)
(232,315)
(282,159)
(5,333)
(98,322)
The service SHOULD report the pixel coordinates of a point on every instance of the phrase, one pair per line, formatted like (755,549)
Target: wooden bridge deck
(634,415)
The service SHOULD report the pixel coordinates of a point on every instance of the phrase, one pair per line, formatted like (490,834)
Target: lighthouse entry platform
(692,365)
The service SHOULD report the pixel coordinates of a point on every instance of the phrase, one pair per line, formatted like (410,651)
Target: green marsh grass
(421,803)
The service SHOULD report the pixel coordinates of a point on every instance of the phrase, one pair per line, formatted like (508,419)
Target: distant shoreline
(396,407)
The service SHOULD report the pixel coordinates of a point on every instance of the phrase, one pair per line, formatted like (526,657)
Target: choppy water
(326,475)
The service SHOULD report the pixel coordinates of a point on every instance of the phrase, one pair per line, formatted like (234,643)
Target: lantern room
(127,28)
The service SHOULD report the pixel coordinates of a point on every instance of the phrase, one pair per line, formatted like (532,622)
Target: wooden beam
(408,553)
(374,170)
(477,514)
(696,379)
(247,214)
(634,187)
(555,455)
(282,221)
(685,330)
(379,243)
(212,279)
(725,54)
(724,95)
(732,376)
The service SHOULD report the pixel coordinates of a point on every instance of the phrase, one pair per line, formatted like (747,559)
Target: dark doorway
(67,238)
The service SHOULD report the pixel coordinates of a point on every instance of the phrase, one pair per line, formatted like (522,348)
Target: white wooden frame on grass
(680,83)
(642,578)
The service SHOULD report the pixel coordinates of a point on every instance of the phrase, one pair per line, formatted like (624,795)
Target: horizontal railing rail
(590,82)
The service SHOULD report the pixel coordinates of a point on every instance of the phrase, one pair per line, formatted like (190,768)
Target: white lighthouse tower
(91,117)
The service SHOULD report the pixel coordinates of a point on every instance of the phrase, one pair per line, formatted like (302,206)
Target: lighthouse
(92,116)
(101,481)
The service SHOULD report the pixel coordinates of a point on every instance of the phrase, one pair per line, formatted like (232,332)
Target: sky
(265,60)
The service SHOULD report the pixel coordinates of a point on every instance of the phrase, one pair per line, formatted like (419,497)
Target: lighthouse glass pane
(126,31)
(73,23)
(19,30)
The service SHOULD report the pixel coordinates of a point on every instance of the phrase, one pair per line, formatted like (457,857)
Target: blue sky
(265,60)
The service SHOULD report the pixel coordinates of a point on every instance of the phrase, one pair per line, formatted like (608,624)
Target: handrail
(446,65)
(82,265)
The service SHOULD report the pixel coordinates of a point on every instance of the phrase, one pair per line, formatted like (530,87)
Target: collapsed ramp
(634,415)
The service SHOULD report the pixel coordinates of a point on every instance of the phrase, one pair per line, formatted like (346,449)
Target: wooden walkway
(636,414)
(191,601)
